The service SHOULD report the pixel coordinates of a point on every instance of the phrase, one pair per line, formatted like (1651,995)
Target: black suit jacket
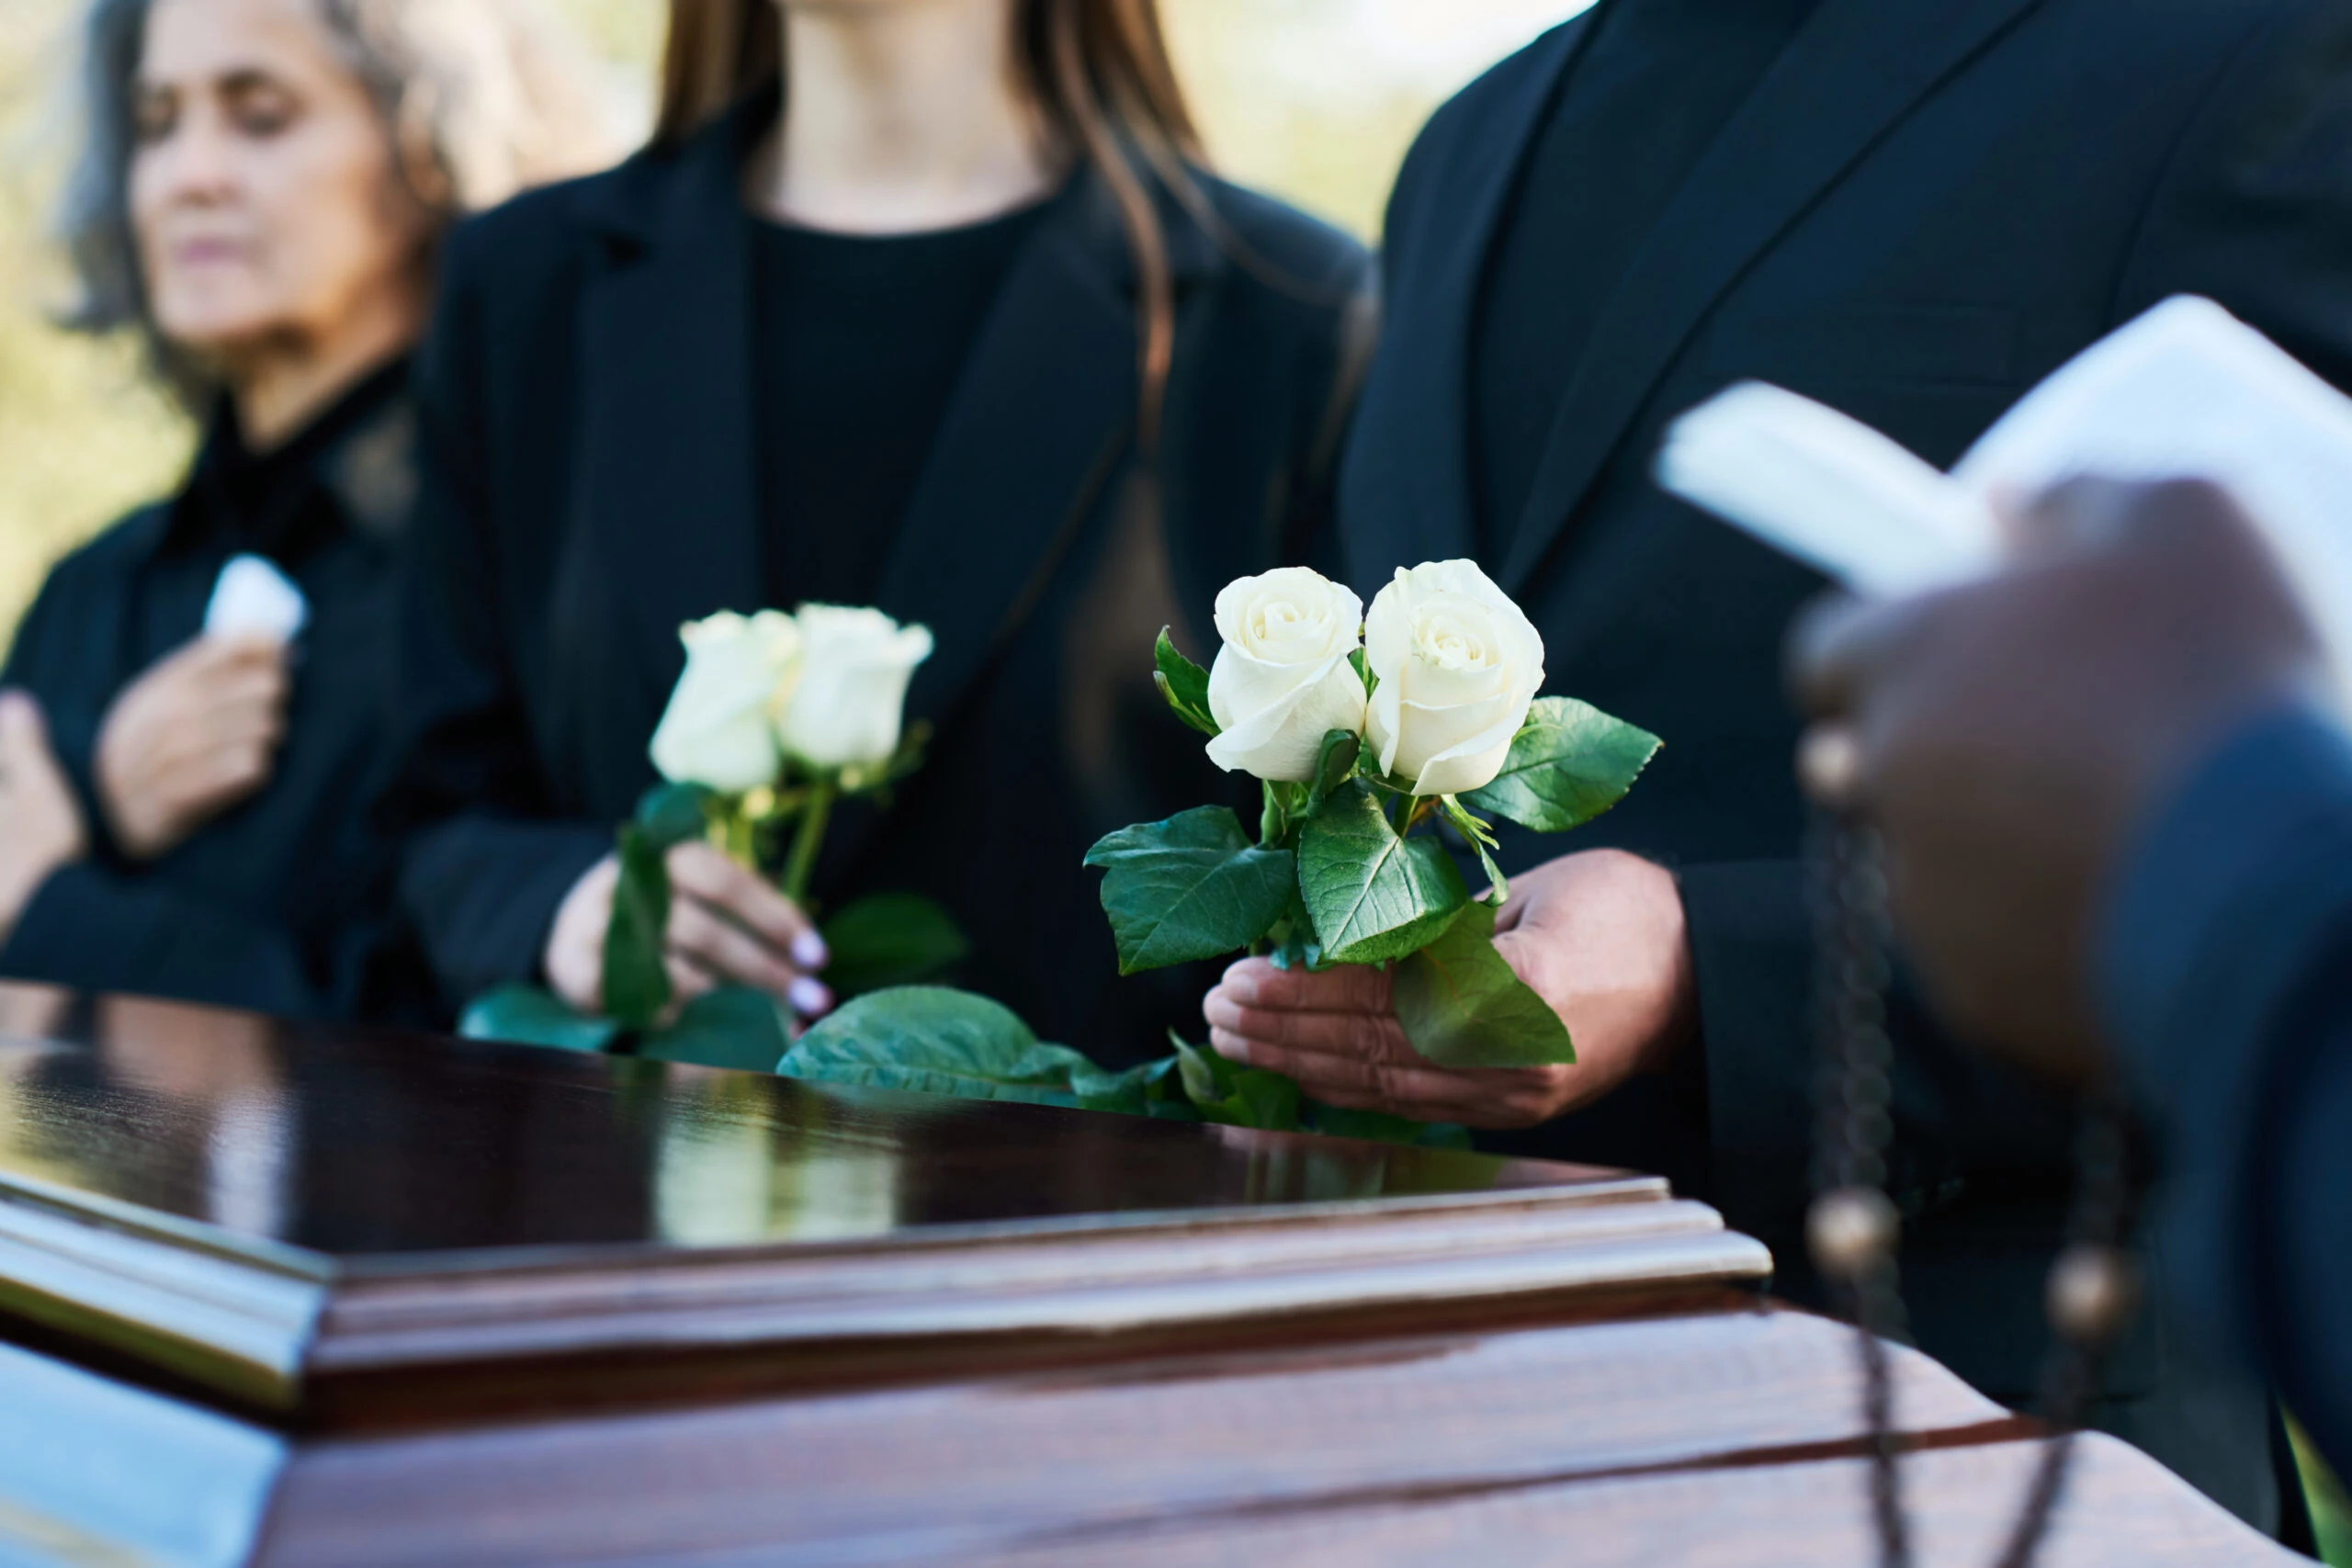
(589,483)
(1922,209)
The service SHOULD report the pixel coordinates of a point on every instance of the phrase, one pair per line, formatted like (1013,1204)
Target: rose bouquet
(1370,733)
(775,719)
(1372,736)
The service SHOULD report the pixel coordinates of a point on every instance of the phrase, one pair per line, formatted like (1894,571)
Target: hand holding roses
(726,925)
(1598,936)
(1362,753)
(774,717)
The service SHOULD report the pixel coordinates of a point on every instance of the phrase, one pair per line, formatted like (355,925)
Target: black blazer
(589,482)
(1924,208)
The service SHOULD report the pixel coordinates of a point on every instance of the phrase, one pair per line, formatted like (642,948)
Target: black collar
(356,456)
(651,198)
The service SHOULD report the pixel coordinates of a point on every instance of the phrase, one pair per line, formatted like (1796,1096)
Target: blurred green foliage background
(1316,99)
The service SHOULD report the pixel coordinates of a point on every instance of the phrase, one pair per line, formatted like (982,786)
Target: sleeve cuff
(75,744)
(92,931)
(50,936)
(482,894)
(2224,898)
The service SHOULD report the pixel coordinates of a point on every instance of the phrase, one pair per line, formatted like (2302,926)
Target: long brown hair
(1102,77)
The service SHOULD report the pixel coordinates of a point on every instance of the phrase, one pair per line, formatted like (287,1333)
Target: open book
(2186,391)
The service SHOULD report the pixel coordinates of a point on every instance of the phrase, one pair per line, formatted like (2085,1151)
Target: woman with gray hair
(189,718)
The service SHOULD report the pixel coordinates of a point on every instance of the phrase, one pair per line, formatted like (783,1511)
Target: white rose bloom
(850,705)
(720,729)
(1458,664)
(1281,681)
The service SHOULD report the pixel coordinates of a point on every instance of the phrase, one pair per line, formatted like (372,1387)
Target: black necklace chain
(1853,1226)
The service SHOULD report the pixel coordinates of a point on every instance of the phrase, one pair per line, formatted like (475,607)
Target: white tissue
(2185,392)
(253,598)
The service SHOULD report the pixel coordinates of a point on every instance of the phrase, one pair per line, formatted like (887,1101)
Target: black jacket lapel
(1041,420)
(1427,343)
(1854,69)
(666,478)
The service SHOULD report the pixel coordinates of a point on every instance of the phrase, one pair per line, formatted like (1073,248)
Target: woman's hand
(40,825)
(727,927)
(1598,935)
(196,734)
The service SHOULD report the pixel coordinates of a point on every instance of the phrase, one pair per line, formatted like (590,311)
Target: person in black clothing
(926,307)
(181,802)
(1913,210)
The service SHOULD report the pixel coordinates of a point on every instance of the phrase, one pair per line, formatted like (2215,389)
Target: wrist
(121,825)
(1678,1027)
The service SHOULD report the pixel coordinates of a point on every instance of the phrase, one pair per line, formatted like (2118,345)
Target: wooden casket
(284,1295)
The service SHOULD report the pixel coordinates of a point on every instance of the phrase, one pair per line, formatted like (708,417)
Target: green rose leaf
(1480,838)
(1190,887)
(1462,1006)
(1372,895)
(1234,1096)
(935,1040)
(637,986)
(1334,766)
(1379,1127)
(731,1027)
(1150,1089)
(528,1015)
(1293,937)
(890,938)
(1184,683)
(671,814)
(1568,763)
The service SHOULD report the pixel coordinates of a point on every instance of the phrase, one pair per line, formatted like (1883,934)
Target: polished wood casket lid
(329,1227)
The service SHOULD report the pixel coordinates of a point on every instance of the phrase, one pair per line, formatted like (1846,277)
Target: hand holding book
(2185,392)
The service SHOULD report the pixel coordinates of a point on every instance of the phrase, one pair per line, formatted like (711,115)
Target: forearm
(2227,947)
(93,929)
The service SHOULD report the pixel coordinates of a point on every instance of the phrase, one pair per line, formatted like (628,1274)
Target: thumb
(1522,948)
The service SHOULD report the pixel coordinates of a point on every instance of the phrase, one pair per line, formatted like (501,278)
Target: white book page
(2185,392)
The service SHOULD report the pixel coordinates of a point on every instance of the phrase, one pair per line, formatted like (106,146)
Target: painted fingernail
(808,951)
(810,998)
(1232,1047)
(1241,990)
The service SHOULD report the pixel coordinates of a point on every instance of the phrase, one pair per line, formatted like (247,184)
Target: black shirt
(268,904)
(860,341)
(1629,120)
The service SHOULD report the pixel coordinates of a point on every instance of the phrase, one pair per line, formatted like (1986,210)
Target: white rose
(1458,664)
(720,729)
(850,705)
(1283,681)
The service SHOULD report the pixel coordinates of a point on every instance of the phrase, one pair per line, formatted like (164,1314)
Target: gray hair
(480,98)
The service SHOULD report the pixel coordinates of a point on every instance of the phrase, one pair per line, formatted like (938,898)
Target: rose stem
(807,839)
